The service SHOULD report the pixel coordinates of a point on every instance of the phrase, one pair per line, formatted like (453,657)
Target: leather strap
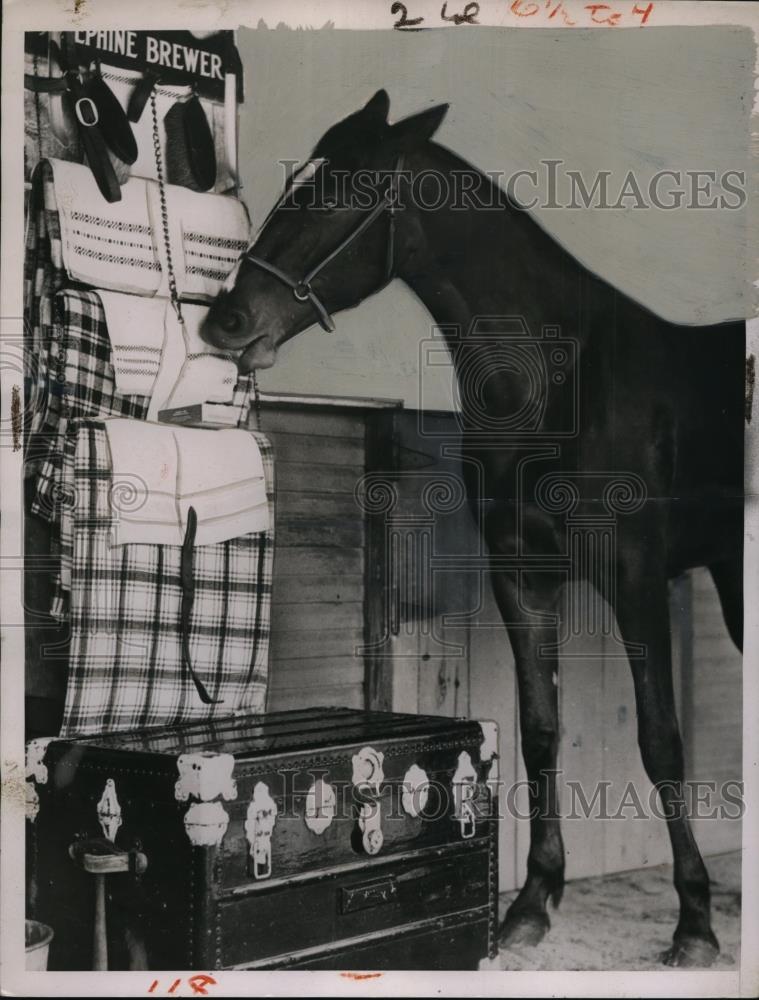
(140,94)
(44,84)
(187,579)
(302,289)
(81,106)
(112,120)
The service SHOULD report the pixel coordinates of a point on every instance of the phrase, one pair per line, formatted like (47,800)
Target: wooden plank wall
(318,595)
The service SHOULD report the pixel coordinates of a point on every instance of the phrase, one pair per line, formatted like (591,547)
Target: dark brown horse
(656,404)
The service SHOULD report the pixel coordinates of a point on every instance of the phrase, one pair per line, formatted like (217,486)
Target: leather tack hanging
(190,153)
(188,598)
(113,121)
(101,121)
(140,95)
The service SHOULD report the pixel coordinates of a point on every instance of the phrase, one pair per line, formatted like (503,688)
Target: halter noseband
(301,289)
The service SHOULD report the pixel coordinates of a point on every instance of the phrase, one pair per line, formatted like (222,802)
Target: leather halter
(301,288)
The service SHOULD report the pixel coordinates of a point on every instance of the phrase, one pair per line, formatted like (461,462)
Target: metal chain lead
(37,113)
(167,241)
(256,400)
(173,293)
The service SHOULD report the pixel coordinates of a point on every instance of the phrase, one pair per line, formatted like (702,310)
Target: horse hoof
(691,953)
(523,929)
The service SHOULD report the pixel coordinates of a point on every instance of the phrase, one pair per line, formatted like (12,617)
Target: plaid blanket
(126,668)
(44,274)
(80,384)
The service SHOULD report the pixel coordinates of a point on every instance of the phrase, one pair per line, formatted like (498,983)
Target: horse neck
(468,262)
(475,264)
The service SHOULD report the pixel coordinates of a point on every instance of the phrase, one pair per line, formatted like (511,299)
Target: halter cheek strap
(301,288)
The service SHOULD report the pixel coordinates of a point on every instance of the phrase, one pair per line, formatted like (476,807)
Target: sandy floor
(625,921)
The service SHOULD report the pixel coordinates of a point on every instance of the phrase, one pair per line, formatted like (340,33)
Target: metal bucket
(38,938)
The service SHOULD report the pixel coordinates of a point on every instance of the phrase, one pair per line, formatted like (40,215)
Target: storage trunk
(320,838)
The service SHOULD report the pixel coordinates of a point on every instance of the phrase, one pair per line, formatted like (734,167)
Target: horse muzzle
(226,328)
(260,353)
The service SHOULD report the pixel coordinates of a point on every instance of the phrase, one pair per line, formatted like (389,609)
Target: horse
(660,401)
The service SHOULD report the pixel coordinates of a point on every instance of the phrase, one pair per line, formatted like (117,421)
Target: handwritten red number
(530,9)
(644,13)
(199,983)
(559,9)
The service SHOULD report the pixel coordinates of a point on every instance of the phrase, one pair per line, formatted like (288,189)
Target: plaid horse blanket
(44,275)
(80,384)
(126,667)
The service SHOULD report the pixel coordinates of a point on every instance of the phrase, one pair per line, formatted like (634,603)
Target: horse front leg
(642,611)
(527,921)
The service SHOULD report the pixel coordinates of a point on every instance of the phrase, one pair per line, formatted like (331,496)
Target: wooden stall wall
(319,562)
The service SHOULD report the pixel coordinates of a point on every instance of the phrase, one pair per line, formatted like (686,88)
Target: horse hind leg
(643,616)
(728,579)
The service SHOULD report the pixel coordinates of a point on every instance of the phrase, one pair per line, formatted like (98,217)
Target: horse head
(329,242)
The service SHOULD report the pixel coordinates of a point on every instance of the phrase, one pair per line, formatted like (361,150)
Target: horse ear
(411,132)
(378,106)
